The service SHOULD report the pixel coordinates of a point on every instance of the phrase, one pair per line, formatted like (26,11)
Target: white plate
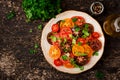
(46,46)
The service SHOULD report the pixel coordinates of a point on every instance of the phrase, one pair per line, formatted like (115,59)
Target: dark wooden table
(16,63)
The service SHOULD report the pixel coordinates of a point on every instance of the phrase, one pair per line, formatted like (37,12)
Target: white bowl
(46,46)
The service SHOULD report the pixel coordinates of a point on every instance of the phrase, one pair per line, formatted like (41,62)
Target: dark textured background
(16,63)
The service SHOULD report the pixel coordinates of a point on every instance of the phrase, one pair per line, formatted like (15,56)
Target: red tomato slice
(95,34)
(65,32)
(58,62)
(55,28)
(79,20)
(81,40)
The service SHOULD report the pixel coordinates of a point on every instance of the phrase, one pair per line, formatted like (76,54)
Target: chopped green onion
(74,19)
(30,30)
(10,15)
(36,46)
(79,43)
(64,57)
(96,53)
(40,27)
(77,29)
(54,39)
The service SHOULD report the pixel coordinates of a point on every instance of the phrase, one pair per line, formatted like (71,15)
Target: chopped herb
(73,41)
(100,75)
(85,32)
(54,39)
(79,43)
(64,57)
(41,9)
(70,35)
(77,29)
(86,26)
(74,19)
(62,21)
(10,15)
(96,53)
(83,54)
(81,67)
(32,51)
(40,27)
(36,46)
(30,30)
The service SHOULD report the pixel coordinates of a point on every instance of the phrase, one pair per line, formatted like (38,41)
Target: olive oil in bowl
(111,25)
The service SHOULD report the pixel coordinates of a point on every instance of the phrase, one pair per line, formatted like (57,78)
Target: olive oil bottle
(111,25)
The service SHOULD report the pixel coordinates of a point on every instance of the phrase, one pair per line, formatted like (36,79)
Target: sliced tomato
(78,20)
(65,32)
(68,65)
(77,50)
(67,23)
(58,62)
(54,52)
(88,50)
(81,40)
(55,28)
(95,34)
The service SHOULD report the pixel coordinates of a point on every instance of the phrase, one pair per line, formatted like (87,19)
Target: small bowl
(96,8)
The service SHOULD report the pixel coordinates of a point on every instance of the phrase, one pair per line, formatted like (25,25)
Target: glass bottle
(111,25)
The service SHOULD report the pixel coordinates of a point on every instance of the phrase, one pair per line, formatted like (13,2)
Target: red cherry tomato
(95,34)
(55,28)
(81,40)
(58,62)
(65,32)
(79,20)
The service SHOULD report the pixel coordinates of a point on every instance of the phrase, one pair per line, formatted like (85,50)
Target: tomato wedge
(78,20)
(65,32)
(68,65)
(95,34)
(81,40)
(54,52)
(77,50)
(55,28)
(88,50)
(58,62)
(67,23)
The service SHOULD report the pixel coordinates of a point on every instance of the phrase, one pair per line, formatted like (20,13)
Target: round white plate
(46,46)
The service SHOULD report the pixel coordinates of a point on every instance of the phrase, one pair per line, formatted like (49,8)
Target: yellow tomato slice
(77,50)
(88,50)
(67,23)
(54,52)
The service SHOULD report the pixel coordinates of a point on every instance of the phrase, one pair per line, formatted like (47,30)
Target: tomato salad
(73,42)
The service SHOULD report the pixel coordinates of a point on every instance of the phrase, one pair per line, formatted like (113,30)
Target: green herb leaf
(77,29)
(85,32)
(81,67)
(10,15)
(64,57)
(36,46)
(83,54)
(99,75)
(74,19)
(86,26)
(73,41)
(79,43)
(30,30)
(54,39)
(32,51)
(96,53)
(40,27)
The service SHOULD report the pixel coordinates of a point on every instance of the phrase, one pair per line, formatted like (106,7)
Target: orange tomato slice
(88,50)
(54,52)
(77,50)
(68,65)
(67,23)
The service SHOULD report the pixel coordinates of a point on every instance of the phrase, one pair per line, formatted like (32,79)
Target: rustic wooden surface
(16,63)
